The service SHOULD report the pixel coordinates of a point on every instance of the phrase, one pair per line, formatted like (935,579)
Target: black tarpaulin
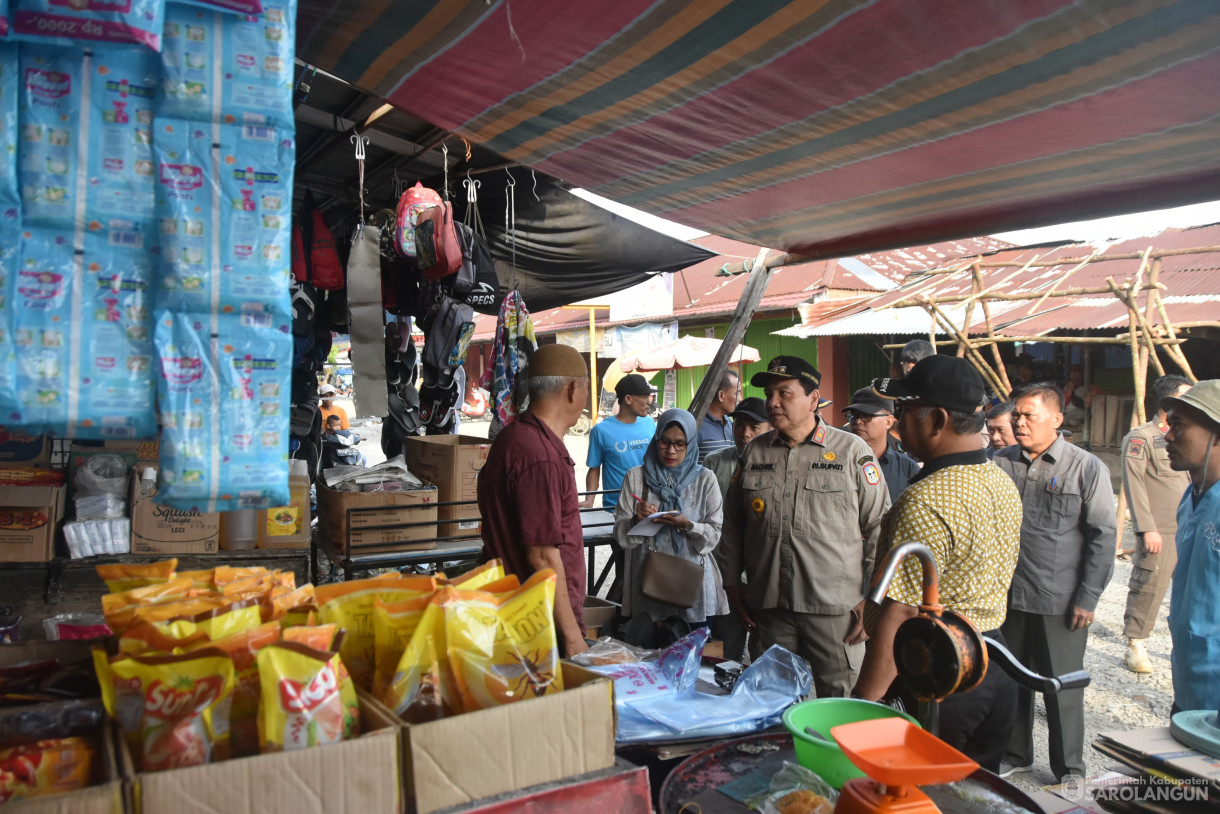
(560,249)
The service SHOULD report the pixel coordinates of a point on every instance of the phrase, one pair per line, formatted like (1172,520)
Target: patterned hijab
(666,482)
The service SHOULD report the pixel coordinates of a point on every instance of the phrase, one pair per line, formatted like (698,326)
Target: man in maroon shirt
(527,488)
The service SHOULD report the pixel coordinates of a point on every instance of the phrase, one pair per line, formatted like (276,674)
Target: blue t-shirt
(617,447)
(714,435)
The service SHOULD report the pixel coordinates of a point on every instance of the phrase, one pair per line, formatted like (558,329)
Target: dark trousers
(1044,644)
(732,631)
(978,723)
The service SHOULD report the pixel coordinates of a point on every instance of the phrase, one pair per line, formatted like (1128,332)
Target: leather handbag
(671,579)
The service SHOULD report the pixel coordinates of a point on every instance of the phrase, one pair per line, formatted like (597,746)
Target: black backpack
(477,284)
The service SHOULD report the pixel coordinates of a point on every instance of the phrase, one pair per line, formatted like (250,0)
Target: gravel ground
(1117,699)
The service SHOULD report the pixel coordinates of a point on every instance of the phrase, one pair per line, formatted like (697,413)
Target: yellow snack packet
(45,767)
(144,637)
(122,577)
(222,575)
(476,578)
(300,615)
(505,649)
(200,580)
(217,622)
(242,648)
(119,609)
(284,599)
(174,710)
(308,698)
(353,612)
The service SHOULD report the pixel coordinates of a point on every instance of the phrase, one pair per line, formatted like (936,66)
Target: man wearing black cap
(869,417)
(749,420)
(801,520)
(968,513)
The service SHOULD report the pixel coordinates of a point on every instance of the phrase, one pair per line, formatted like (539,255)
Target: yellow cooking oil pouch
(353,612)
(422,687)
(308,698)
(475,579)
(174,710)
(393,625)
(123,577)
(505,650)
(242,648)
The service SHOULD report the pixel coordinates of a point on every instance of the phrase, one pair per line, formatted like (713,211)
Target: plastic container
(288,526)
(823,755)
(239,529)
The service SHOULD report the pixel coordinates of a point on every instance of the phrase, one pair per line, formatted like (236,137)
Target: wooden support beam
(756,286)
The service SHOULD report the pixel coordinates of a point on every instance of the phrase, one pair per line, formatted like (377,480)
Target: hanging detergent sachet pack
(82,337)
(102,103)
(238,200)
(235,6)
(71,22)
(227,69)
(9,94)
(224,410)
(10,258)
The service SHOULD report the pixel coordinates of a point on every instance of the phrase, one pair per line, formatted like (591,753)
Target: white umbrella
(689,351)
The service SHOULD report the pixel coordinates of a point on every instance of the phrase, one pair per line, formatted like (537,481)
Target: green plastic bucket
(822,755)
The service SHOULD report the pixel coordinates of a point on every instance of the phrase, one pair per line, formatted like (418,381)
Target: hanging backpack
(314,257)
(448,335)
(477,284)
(413,201)
(436,243)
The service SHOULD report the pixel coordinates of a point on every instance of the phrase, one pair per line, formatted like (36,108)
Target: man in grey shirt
(1067,556)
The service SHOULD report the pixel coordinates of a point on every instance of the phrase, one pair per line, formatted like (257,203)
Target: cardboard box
(452,462)
(158,529)
(360,776)
(19,449)
(479,754)
(29,521)
(597,612)
(396,507)
(105,796)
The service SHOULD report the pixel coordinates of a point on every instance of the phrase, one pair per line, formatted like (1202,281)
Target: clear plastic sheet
(656,699)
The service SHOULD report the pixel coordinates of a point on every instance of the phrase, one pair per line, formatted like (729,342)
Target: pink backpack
(413,201)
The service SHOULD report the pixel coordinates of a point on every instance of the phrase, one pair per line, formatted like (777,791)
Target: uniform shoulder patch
(871,474)
(864,460)
(1135,448)
(819,434)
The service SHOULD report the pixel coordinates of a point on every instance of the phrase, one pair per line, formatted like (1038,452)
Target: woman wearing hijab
(670,480)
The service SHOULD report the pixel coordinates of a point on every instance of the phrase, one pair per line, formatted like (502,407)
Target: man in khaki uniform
(1153,493)
(801,519)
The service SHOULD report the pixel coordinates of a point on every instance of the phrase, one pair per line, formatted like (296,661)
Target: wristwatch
(689,526)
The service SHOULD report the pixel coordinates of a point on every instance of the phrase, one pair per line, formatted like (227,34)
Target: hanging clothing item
(511,350)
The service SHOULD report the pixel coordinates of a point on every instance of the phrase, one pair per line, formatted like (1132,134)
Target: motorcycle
(339,449)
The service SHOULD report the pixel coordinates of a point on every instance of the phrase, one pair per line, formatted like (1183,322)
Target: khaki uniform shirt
(1067,528)
(803,522)
(1153,489)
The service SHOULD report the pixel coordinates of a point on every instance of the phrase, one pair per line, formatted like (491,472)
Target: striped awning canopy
(822,126)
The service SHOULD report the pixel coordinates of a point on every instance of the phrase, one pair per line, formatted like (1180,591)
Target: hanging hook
(472,189)
(445,153)
(361,142)
(535,189)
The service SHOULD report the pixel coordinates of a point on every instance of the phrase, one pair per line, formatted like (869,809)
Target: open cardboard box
(452,462)
(359,776)
(105,796)
(456,760)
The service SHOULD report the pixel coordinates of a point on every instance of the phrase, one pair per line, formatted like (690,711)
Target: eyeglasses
(665,442)
(860,418)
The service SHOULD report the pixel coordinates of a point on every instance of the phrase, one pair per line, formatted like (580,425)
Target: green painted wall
(758,336)
(866,360)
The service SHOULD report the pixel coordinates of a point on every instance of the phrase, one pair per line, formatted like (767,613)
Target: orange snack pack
(503,647)
(200,580)
(315,637)
(119,609)
(123,577)
(243,648)
(283,599)
(222,575)
(145,636)
(174,710)
(218,621)
(44,767)
(308,698)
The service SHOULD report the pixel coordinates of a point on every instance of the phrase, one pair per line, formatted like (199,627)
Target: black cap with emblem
(939,381)
(787,367)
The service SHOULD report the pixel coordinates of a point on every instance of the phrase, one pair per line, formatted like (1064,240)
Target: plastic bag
(75,626)
(770,685)
(102,475)
(308,698)
(45,767)
(796,790)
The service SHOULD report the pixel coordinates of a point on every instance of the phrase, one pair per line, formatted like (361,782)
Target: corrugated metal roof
(1191,287)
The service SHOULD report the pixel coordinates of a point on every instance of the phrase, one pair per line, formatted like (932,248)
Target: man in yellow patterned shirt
(968,513)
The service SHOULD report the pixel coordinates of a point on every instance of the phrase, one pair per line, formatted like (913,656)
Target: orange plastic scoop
(894,752)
